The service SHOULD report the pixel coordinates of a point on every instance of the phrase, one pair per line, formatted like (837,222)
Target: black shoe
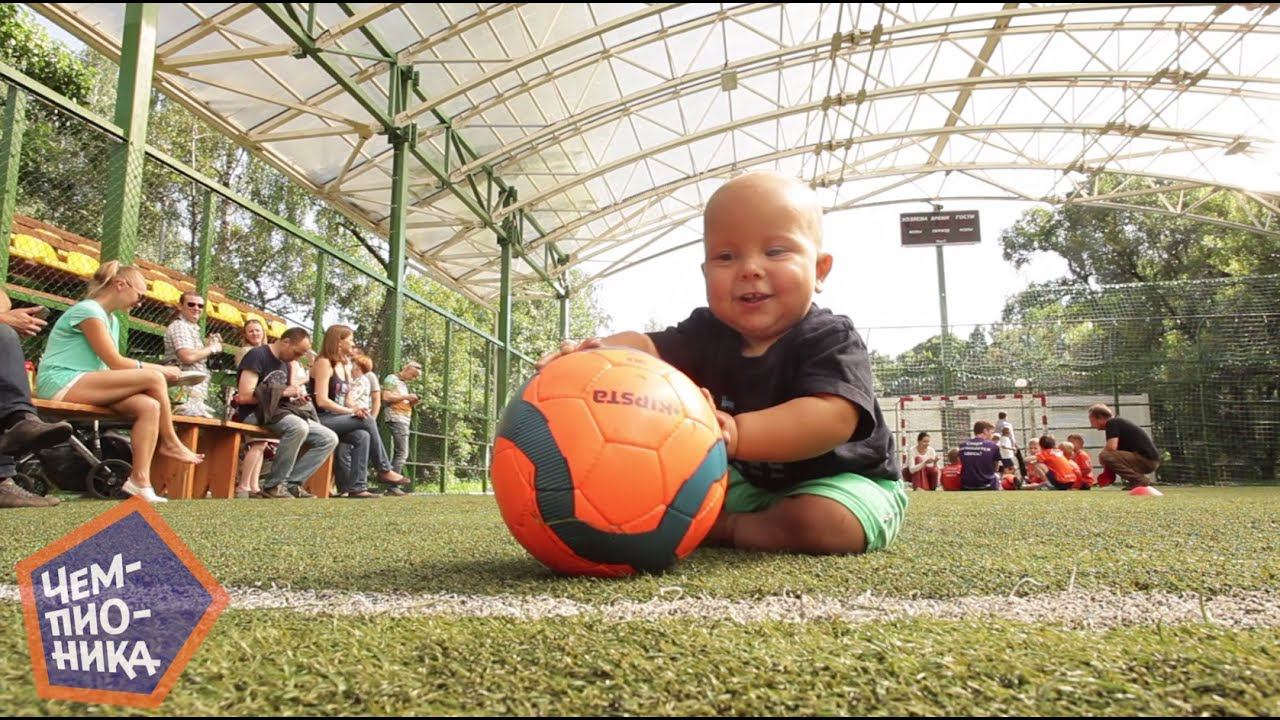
(31,433)
(299,492)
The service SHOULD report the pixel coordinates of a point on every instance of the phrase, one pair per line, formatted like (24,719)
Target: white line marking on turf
(1080,610)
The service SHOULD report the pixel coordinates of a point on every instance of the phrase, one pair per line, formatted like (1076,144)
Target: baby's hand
(566,347)
(728,426)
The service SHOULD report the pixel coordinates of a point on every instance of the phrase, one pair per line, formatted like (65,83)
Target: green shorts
(880,505)
(52,381)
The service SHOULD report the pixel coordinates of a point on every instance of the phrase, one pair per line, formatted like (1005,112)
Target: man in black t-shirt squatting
(1129,451)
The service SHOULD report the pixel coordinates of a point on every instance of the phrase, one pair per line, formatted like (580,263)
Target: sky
(889,291)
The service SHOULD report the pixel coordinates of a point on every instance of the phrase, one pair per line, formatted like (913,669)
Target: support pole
(204,261)
(322,299)
(128,159)
(448,367)
(393,328)
(133,105)
(564,316)
(15,126)
(489,413)
(945,371)
(504,324)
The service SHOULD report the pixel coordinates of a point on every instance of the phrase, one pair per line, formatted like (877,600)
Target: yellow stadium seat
(275,328)
(164,292)
(226,312)
(80,264)
(34,249)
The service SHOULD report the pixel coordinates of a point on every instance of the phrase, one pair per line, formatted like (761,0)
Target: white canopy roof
(615,122)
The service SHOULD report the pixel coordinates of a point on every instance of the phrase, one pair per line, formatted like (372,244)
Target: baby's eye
(775,251)
(724,256)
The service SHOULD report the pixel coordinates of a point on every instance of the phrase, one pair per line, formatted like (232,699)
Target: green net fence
(255,266)
(1194,362)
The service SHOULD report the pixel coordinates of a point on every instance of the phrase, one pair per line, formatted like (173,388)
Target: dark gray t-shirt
(822,355)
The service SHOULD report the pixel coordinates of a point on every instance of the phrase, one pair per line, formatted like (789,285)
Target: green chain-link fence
(256,265)
(1196,362)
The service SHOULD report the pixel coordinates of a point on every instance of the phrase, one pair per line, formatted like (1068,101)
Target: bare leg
(107,387)
(146,413)
(251,467)
(802,524)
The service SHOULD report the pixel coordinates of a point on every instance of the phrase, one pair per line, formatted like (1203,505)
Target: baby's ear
(824,268)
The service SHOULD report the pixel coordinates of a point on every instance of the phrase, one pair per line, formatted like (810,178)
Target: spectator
(366,394)
(951,473)
(1129,452)
(356,430)
(266,373)
(82,364)
(254,335)
(21,430)
(1084,463)
(399,404)
(980,457)
(182,347)
(255,448)
(921,472)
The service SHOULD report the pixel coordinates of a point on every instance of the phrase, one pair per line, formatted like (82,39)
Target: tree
(26,46)
(1109,246)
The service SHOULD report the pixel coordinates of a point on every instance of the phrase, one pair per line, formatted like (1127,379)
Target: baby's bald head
(771,192)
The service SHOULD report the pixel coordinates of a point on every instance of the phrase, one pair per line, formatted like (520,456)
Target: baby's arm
(795,430)
(629,339)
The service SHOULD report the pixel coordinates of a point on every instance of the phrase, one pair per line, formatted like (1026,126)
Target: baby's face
(763,262)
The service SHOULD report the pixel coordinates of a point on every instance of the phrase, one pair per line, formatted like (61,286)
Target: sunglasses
(199,306)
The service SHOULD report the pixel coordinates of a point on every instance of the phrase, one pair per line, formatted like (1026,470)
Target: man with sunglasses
(184,348)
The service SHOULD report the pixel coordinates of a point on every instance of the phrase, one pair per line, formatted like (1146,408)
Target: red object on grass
(1145,490)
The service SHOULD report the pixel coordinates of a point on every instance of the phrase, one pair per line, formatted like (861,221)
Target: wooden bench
(219,440)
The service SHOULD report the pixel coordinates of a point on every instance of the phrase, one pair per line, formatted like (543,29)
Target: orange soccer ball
(608,462)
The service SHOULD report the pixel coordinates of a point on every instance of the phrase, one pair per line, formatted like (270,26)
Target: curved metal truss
(594,134)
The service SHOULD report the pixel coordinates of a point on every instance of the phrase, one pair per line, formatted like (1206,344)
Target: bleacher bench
(219,440)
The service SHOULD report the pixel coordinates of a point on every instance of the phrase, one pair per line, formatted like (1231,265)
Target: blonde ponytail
(108,272)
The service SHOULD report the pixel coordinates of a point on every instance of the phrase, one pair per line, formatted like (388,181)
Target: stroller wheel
(32,484)
(105,478)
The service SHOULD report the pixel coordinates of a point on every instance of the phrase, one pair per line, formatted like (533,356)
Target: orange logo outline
(26,569)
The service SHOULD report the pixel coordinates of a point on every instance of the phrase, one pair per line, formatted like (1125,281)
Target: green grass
(283,663)
(1208,540)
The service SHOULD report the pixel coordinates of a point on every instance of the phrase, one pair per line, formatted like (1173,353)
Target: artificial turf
(1206,540)
(274,663)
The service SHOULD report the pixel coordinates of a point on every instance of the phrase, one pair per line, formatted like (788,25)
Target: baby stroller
(93,460)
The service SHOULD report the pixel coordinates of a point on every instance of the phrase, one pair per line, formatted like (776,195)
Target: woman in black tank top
(358,437)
